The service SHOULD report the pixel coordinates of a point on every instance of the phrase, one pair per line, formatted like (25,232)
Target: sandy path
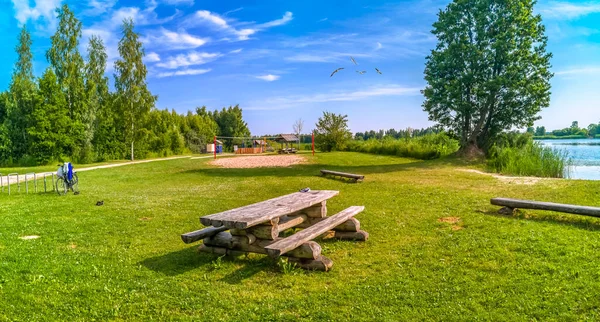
(23,177)
(262,161)
(508,179)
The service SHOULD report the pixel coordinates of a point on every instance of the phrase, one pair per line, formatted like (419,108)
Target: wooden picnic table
(261,228)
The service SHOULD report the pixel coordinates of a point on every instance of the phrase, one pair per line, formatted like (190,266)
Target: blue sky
(274,58)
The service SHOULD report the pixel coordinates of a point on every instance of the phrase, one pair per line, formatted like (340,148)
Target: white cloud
(234,10)
(378,46)
(152,57)
(287,17)
(98,7)
(568,10)
(338,96)
(184,72)
(174,40)
(579,70)
(236,51)
(179,2)
(241,33)
(322,20)
(269,77)
(189,59)
(43,11)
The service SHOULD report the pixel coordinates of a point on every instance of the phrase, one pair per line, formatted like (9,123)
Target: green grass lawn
(125,260)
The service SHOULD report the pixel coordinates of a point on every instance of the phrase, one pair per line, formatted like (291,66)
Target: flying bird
(378,71)
(337,70)
(354,61)
(361,72)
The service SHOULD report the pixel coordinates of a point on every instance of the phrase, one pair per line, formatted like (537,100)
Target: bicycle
(66,179)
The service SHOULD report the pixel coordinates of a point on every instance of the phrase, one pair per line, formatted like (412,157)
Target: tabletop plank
(254,214)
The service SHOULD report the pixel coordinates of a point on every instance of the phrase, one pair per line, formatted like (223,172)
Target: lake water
(584,153)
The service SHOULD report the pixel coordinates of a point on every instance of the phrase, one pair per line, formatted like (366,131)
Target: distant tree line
(70,112)
(574,131)
(396,134)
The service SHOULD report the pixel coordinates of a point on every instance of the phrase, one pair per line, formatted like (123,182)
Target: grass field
(125,260)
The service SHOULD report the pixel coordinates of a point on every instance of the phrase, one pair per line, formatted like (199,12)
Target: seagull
(378,71)
(337,70)
(354,61)
(364,71)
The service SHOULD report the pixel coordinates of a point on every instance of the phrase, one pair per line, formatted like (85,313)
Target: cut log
(238,232)
(201,234)
(285,245)
(538,205)
(310,250)
(355,177)
(225,239)
(360,235)
(316,211)
(290,221)
(351,224)
(321,263)
(264,231)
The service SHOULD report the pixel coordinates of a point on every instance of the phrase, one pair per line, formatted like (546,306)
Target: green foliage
(517,154)
(69,113)
(69,67)
(332,133)
(133,95)
(229,122)
(490,70)
(431,146)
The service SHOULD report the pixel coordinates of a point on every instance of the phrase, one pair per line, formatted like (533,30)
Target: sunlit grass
(125,260)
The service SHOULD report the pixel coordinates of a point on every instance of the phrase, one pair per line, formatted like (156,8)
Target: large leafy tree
(133,96)
(229,121)
(332,132)
(22,97)
(490,70)
(69,68)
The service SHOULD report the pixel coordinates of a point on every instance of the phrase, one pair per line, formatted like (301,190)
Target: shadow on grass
(572,220)
(251,267)
(178,262)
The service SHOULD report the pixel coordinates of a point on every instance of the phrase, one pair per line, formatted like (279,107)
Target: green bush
(530,159)
(426,147)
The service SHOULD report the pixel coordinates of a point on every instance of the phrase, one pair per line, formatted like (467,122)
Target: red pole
(313,142)
(215,147)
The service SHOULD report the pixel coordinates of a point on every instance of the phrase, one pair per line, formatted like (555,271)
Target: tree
(531,130)
(230,123)
(130,82)
(540,131)
(489,71)
(49,123)
(96,90)
(22,97)
(69,68)
(332,132)
(298,125)
(574,128)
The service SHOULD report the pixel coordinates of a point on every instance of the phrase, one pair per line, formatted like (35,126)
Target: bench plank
(254,214)
(343,174)
(285,245)
(201,234)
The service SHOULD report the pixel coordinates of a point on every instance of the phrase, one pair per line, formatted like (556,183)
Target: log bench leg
(360,235)
(506,211)
(322,263)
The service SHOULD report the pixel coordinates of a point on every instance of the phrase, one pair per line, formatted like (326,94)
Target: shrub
(529,159)
(426,147)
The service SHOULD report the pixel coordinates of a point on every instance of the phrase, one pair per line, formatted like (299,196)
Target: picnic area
(437,249)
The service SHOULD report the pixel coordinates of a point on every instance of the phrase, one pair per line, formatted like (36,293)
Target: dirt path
(508,179)
(22,177)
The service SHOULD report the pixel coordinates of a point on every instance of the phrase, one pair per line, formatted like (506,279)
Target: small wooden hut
(288,140)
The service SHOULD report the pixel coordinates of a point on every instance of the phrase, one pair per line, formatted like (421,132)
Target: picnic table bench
(261,228)
(355,177)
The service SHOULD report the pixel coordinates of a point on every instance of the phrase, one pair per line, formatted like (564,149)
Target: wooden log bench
(351,176)
(510,204)
(260,228)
